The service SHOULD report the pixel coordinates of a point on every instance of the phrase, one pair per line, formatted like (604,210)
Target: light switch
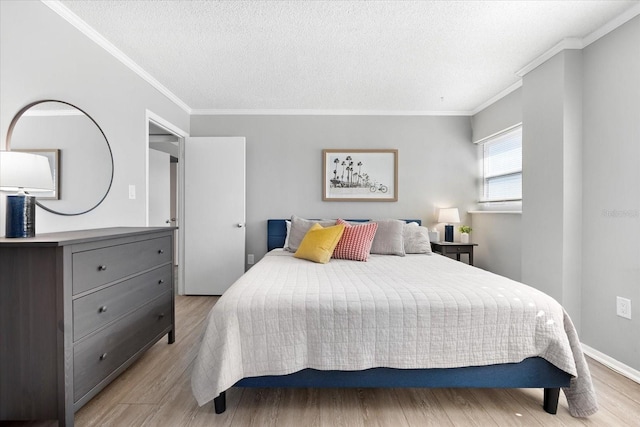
(132,191)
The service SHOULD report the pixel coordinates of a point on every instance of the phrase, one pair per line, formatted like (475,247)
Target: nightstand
(448,248)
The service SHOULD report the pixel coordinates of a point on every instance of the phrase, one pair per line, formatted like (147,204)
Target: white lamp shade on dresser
(26,171)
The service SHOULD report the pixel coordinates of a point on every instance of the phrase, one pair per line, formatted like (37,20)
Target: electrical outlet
(132,191)
(623,307)
(250,259)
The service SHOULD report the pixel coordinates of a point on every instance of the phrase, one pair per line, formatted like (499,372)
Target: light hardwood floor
(156,391)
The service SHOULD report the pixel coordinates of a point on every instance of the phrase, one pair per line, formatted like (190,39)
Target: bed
(393,321)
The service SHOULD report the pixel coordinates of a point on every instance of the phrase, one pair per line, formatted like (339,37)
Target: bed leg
(220,403)
(551,396)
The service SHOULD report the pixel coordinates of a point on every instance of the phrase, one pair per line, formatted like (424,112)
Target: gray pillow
(388,239)
(416,239)
(299,227)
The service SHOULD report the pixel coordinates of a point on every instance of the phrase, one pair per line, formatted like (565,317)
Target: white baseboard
(612,363)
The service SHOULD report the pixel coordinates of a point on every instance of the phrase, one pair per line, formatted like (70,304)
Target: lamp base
(448,233)
(21,216)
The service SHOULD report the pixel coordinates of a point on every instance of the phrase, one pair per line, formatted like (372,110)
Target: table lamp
(448,216)
(21,173)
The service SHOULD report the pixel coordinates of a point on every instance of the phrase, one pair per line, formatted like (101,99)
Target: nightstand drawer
(95,310)
(451,248)
(100,266)
(99,355)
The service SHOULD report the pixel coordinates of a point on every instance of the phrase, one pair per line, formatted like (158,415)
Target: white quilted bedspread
(286,314)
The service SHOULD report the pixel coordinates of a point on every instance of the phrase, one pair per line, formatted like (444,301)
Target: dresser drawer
(99,266)
(97,356)
(95,310)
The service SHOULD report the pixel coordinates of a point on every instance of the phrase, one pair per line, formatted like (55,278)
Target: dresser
(76,309)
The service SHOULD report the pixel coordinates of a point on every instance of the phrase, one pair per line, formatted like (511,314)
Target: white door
(214,213)
(159,189)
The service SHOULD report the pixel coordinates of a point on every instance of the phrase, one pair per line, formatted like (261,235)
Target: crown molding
(52,113)
(616,22)
(581,43)
(304,112)
(497,97)
(87,30)
(568,43)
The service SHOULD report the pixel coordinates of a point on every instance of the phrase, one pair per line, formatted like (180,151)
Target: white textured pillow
(416,239)
(388,239)
(287,222)
(299,227)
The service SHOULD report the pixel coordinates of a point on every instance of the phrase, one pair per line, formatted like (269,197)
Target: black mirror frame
(14,122)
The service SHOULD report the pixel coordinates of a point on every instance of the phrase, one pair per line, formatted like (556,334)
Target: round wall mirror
(78,151)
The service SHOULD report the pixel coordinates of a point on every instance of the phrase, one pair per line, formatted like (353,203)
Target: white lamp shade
(26,171)
(449,215)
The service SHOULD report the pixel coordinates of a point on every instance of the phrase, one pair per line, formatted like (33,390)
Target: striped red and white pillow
(356,240)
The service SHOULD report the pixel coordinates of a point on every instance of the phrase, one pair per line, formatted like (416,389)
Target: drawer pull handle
(103,356)
(102,309)
(160,251)
(160,316)
(102,267)
(160,282)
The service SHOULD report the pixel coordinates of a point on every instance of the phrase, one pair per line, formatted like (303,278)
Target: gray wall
(611,198)
(498,235)
(499,239)
(436,163)
(581,209)
(551,187)
(44,57)
(500,115)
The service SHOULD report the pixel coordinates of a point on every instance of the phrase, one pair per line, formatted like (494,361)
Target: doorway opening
(165,172)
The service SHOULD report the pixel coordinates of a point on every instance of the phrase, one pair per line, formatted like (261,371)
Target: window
(502,167)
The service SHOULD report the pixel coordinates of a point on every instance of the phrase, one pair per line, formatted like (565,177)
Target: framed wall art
(53,155)
(360,175)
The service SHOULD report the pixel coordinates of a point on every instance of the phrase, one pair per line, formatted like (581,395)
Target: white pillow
(416,239)
(286,239)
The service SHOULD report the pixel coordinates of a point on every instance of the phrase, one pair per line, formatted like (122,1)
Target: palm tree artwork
(349,177)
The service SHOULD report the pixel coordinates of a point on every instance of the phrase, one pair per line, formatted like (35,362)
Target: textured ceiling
(378,56)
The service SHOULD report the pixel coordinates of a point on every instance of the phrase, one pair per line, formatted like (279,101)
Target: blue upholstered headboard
(277,231)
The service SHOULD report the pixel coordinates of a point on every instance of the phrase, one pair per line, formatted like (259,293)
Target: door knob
(240,225)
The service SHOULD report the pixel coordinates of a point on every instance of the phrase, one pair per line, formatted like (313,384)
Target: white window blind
(502,167)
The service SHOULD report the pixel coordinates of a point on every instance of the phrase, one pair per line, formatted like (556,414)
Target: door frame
(151,117)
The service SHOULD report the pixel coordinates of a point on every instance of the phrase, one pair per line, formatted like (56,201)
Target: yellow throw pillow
(319,242)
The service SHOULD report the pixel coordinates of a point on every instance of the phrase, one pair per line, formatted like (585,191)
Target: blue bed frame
(533,372)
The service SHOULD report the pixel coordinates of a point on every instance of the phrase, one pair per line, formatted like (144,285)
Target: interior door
(214,213)
(159,189)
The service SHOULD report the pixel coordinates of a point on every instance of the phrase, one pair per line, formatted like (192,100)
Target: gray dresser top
(79,236)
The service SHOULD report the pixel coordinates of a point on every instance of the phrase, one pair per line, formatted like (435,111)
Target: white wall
(44,57)
(436,164)
(611,193)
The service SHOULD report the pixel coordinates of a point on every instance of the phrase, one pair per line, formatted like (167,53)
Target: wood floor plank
(340,407)
(619,397)
(380,407)
(259,406)
(619,383)
(421,407)
(463,408)
(507,407)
